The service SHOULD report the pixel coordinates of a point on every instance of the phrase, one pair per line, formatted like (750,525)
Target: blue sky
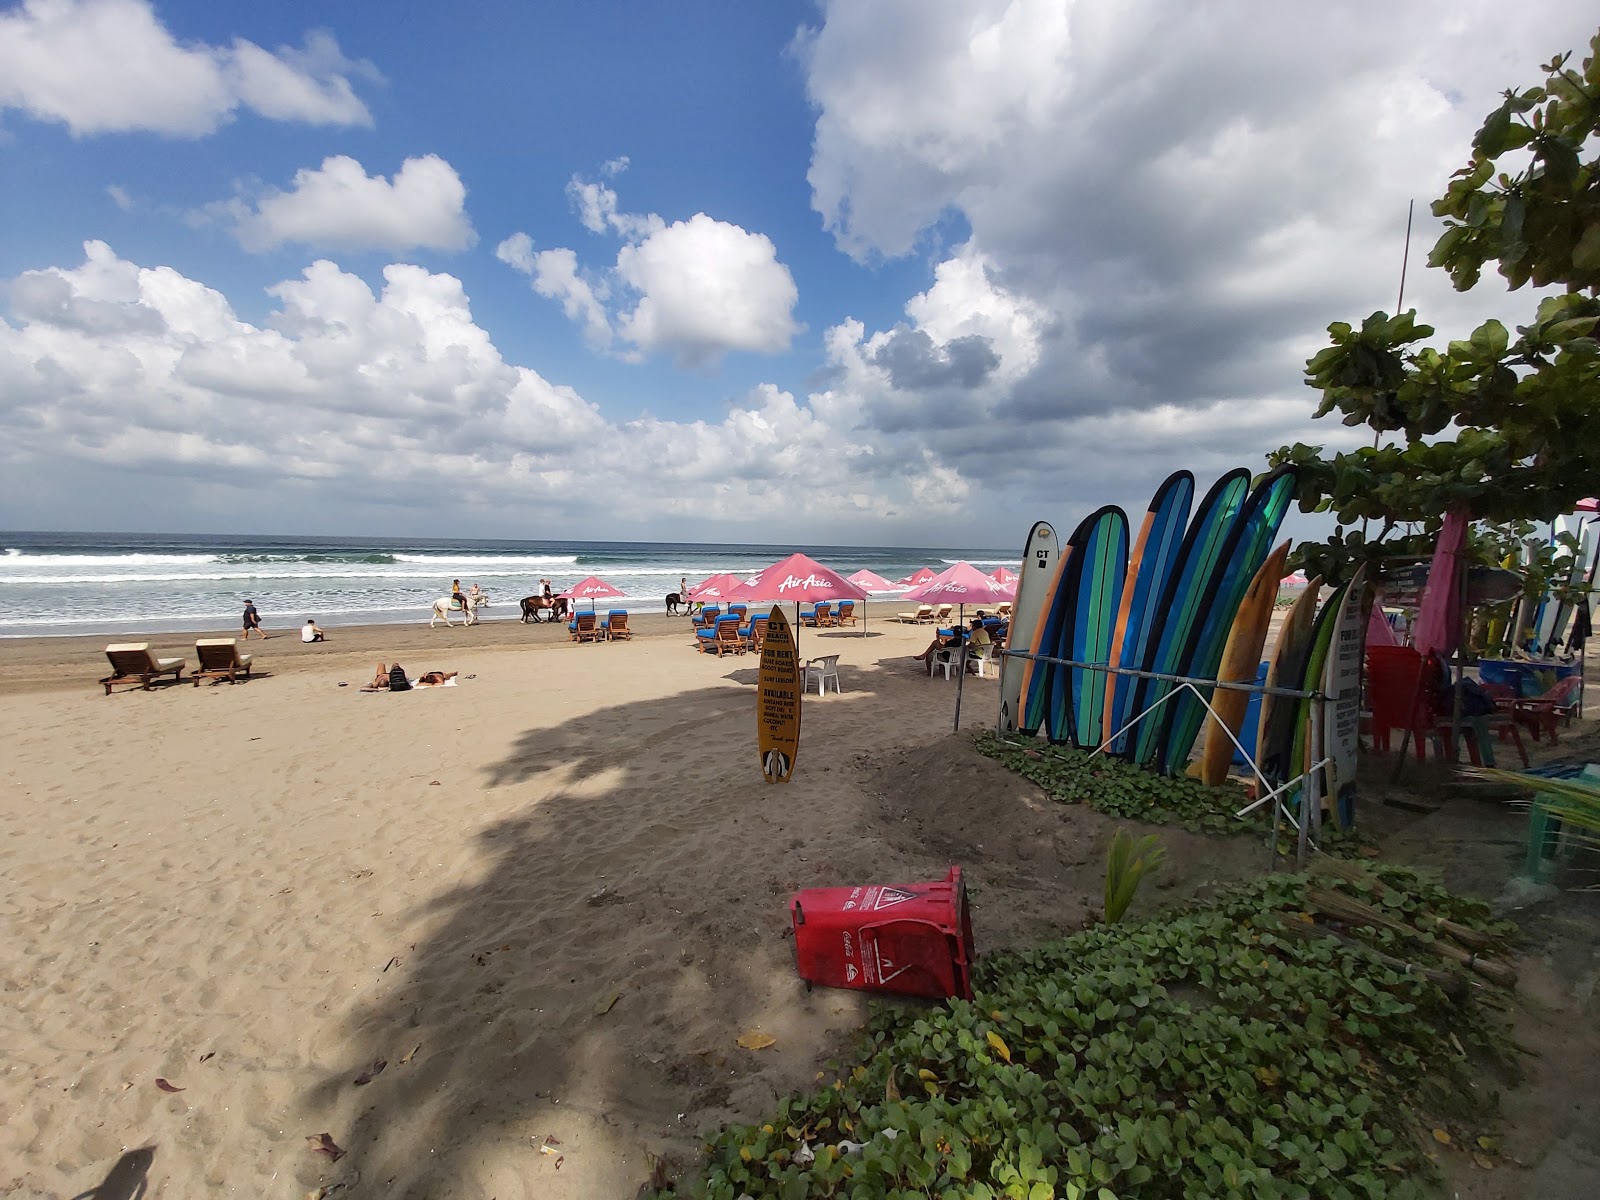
(878,272)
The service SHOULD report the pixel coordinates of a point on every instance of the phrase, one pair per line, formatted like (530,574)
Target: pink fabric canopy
(871,581)
(918,577)
(962,584)
(592,588)
(1004,576)
(798,578)
(1439,618)
(716,587)
(1592,504)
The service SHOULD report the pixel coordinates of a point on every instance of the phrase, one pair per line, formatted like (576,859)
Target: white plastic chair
(945,660)
(822,669)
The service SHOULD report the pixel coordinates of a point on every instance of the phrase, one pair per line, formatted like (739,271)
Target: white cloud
(706,287)
(340,206)
(698,288)
(104,66)
(138,369)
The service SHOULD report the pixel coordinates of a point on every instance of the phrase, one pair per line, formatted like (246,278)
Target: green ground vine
(1204,1053)
(1119,788)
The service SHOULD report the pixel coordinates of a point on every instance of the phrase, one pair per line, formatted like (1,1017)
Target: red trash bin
(914,938)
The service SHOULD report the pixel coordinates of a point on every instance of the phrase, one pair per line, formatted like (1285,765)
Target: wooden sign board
(778,701)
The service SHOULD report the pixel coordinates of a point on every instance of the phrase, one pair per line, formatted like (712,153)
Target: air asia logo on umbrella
(790,582)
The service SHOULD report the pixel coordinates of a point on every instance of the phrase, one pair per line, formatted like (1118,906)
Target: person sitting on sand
(310,633)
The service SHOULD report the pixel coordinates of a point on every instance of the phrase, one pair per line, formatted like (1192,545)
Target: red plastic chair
(1559,702)
(1399,696)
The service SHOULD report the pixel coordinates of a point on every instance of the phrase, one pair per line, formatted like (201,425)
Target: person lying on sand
(393,679)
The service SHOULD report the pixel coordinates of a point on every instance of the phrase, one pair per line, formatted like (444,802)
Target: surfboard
(1082,561)
(1312,679)
(1040,553)
(1149,565)
(1252,539)
(1341,683)
(1097,581)
(1039,677)
(778,701)
(1275,728)
(1182,603)
(1240,658)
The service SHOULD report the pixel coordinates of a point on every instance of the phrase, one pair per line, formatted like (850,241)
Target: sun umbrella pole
(961,679)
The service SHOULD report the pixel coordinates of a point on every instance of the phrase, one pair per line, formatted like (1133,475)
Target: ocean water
(71,583)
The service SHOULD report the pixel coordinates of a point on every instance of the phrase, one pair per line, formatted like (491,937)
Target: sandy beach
(548,901)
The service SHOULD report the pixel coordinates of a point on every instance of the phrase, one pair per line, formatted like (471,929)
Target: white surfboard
(1341,683)
(1040,554)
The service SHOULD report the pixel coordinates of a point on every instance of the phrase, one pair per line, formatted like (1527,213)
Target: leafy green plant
(1127,862)
(1119,788)
(1205,1053)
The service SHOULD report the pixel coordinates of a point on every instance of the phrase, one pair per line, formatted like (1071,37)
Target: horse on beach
(676,601)
(537,608)
(445,605)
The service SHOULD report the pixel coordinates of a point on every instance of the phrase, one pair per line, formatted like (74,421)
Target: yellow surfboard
(1240,657)
(778,701)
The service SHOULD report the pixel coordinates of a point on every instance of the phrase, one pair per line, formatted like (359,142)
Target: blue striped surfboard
(1094,587)
(1160,539)
(1182,601)
(1254,534)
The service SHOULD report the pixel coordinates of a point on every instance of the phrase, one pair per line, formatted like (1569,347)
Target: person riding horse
(458,597)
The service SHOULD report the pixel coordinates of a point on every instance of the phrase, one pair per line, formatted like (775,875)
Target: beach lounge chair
(846,614)
(756,632)
(729,640)
(922,616)
(582,628)
(705,640)
(821,670)
(944,612)
(742,611)
(132,662)
(220,659)
(1003,608)
(818,616)
(615,627)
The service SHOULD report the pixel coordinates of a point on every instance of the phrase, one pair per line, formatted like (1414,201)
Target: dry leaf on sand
(371,1072)
(756,1041)
(323,1143)
(169,1087)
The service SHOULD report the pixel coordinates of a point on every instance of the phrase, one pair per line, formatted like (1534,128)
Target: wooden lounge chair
(846,614)
(583,628)
(1003,608)
(945,610)
(756,632)
(132,662)
(818,616)
(922,616)
(729,640)
(220,659)
(615,626)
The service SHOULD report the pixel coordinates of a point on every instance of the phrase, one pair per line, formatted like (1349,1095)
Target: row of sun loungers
(928,615)
(132,662)
(588,627)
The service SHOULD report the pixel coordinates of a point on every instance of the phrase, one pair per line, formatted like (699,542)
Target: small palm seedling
(1127,862)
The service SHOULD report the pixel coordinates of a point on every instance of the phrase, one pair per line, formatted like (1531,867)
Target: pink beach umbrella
(802,579)
(1296,579)
(1592,504)
(918,577)
(591,589)
(871,581)
(961,584)
(1004,576)
(716,587)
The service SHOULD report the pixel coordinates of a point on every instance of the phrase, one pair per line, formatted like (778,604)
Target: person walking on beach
(252,620)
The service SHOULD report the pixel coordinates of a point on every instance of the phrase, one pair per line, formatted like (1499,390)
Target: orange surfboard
(1240,657)
(778,701)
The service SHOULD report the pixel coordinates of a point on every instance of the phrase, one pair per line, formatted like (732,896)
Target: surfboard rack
(1308,820)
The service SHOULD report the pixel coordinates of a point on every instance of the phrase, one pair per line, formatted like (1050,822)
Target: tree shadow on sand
(588,983)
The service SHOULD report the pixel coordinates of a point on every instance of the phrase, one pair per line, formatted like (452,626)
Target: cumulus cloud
(340,206)
(697,288)
(1163,209)
(113,365)
(108,66)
